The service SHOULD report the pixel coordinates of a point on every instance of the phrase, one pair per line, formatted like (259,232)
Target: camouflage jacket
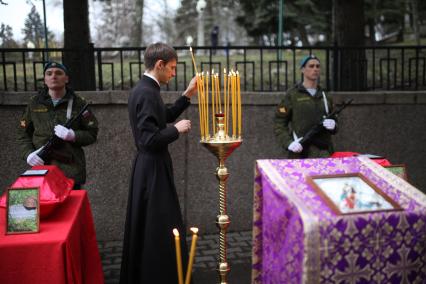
(37,124)
(297,112)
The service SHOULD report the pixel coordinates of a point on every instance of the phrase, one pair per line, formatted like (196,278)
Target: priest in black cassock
(153,207)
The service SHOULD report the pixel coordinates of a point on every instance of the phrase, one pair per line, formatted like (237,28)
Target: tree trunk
(303,36)
(80,59)
(372,33)
(416,23)
(349,28)
(138,30)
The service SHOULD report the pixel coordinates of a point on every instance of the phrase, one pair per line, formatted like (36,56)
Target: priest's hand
(191,90)
(34,160)
(183,126)
(329,124)
(295,146)
(64,133)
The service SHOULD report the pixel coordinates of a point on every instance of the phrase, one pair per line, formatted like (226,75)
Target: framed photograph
(22,210)
(398,170)
(351,194)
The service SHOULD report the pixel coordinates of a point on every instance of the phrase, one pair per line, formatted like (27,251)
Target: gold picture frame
(351,194)
(22,210)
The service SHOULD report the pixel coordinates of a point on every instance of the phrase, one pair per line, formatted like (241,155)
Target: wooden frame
(351,194)
(399,170)
(22,210)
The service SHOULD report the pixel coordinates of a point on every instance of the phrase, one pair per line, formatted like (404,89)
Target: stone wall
(391,124)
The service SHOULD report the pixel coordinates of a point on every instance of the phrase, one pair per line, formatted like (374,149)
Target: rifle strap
(69,108)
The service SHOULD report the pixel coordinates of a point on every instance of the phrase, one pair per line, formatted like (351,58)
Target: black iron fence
(261,68)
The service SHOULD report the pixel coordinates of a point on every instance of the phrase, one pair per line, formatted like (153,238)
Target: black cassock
(153,207)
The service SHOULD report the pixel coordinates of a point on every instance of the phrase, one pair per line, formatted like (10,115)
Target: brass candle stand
(222,146)
(211,101)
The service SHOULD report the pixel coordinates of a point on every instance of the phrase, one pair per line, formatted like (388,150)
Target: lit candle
(231,90)
(191,255)
(219,103)
(178,256)
(201,95)
(213,103)
(234,104)
(228,89)
(207,106)
(239,104)
(200,105)
(225,110)
(193,60)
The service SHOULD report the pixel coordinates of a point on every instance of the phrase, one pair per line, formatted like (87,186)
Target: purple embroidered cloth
(299,239)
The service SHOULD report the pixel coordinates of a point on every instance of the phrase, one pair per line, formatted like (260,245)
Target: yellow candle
(231,79)
(228,88)
(213,102)
(178,256)
(207,106)
(203,106)
(200,104)
(219,103)
(193,60)
(239,104)
(225,111)
(234,104)
(191,255)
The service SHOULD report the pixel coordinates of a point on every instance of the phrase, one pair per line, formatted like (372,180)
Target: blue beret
(53,64)
(306,59)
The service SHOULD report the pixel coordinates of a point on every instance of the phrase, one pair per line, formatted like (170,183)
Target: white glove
(295,146)
(64,133)
(329,124)
(34,160)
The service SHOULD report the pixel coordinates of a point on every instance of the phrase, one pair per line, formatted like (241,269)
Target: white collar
(152,77)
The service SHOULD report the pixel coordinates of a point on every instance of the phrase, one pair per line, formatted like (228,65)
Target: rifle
(48,148)
(317,128)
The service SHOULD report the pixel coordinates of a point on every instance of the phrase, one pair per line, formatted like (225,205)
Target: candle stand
(222,146)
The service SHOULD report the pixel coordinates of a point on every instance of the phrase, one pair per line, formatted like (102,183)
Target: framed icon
(399,170)
(351,194)
(22,210)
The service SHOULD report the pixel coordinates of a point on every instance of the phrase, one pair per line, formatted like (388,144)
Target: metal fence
(263,69)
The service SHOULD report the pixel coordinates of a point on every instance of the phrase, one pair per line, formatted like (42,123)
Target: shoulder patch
(303,99)
(23,124)
(282,110)
(40,109)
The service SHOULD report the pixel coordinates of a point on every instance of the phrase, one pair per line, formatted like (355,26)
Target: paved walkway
(205,263)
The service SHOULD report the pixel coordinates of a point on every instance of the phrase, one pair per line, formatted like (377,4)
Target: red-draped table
(65,250)
(299,239)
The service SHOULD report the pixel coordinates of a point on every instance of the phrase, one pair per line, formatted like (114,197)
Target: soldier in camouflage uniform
(302,107)
(46,114)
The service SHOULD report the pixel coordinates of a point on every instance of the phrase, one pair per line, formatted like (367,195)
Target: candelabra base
(222,149)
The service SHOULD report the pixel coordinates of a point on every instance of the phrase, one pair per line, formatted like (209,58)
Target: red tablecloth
(65,250)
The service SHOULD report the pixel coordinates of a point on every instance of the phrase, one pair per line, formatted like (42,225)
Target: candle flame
(176,232)
(194,230)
